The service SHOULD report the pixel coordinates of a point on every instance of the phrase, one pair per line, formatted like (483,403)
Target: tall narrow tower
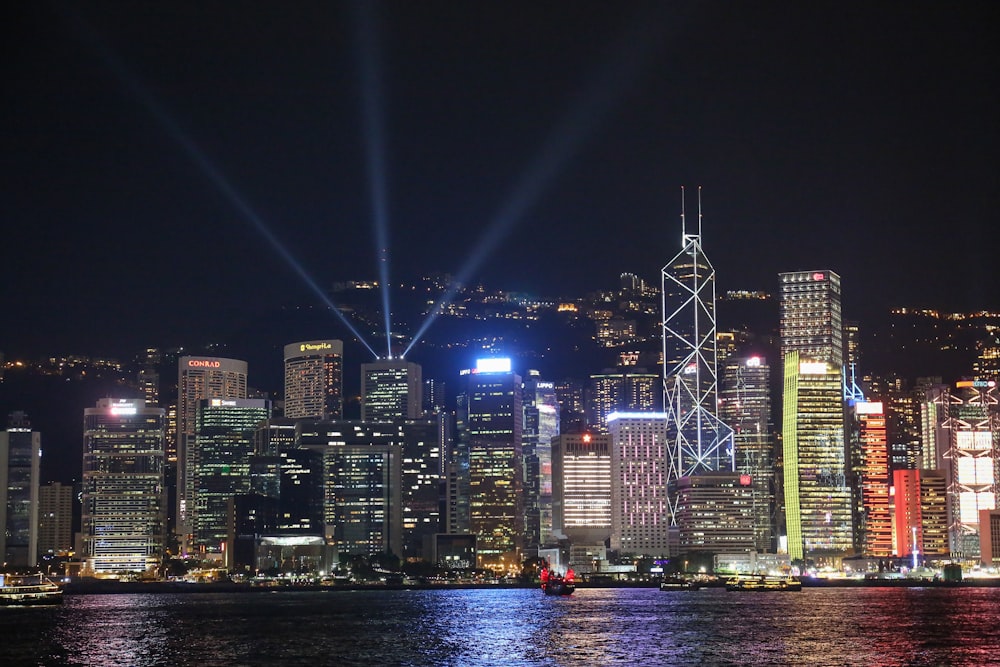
(697,440)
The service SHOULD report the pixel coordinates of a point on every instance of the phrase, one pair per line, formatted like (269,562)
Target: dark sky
(140,142)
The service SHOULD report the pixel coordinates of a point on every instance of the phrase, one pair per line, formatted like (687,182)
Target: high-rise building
(391,389)
(920,513)
(199,378)
(966,433)
(55,519)
(745,405)
(225,430)
(810,316)
(124,499)
(699,440)
(715,513)
(540,425)
(489,436)
(640,514)
(362,479)
(817,496)
(581,487)
(621,390)
(873,520)
(314,380)
(20,454)
(818,507)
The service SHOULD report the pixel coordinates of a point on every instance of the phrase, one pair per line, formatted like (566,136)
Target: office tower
(873,521)
(274,436)
(572,415)
(391,389)
(818,509)
(699,441)
(55,519)
(810,316)
(434,396)
(817,497)
(934,513)
(907,516)
(224,441)
(715,513)
(314,380)
(362,478)
(489,434)
(966,428)
(640,515)
(20,454)
(421,485)
(540,425)
(989,541)
(581,487)
(621,390)
(199,378)
(745,406)
(124,499)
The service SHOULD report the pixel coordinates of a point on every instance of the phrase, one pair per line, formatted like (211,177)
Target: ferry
(763,582)
(678,584)
(28,591)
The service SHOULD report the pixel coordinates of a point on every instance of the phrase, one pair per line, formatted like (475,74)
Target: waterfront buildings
(873,520)
(818,507)
(699,441)
(391,389)
(199,378)
(224,441)
(745,405)
(540,425)
(55,519)
(314,379)
(361,481)
(817,496)
(640,513)
(488,437)
(20,454)
(581,487)
(123,523)
(715,513)
(965,421)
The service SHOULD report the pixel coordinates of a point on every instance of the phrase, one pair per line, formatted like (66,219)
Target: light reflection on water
(884,627)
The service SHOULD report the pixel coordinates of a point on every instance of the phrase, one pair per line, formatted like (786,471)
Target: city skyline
(159,160)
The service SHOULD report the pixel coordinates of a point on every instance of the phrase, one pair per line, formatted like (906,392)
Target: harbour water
(855,626)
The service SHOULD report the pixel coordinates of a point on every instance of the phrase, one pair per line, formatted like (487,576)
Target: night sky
(146,146)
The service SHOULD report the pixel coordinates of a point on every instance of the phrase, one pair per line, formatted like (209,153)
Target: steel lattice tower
(698,441)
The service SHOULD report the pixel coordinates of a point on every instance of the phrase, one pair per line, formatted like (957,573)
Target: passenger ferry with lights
(20,592)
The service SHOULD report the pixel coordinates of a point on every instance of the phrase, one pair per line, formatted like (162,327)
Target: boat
(558,586)
(678,584)
(28,591)
(763,582)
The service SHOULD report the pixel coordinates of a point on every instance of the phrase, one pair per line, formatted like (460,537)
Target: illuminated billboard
(493,365)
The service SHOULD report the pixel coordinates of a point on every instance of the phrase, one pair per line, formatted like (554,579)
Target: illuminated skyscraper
(640,514)
(391,389)
(810,316)
(817,497)
(489,435)
(818,509)
(225,431)
(581,487)
(967,428)
(314,380)
(699,441)
(20,454)
(745,405)
(621,390)
(540,425)
(873,523)
(124,499)
(715,513)
(199,378)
